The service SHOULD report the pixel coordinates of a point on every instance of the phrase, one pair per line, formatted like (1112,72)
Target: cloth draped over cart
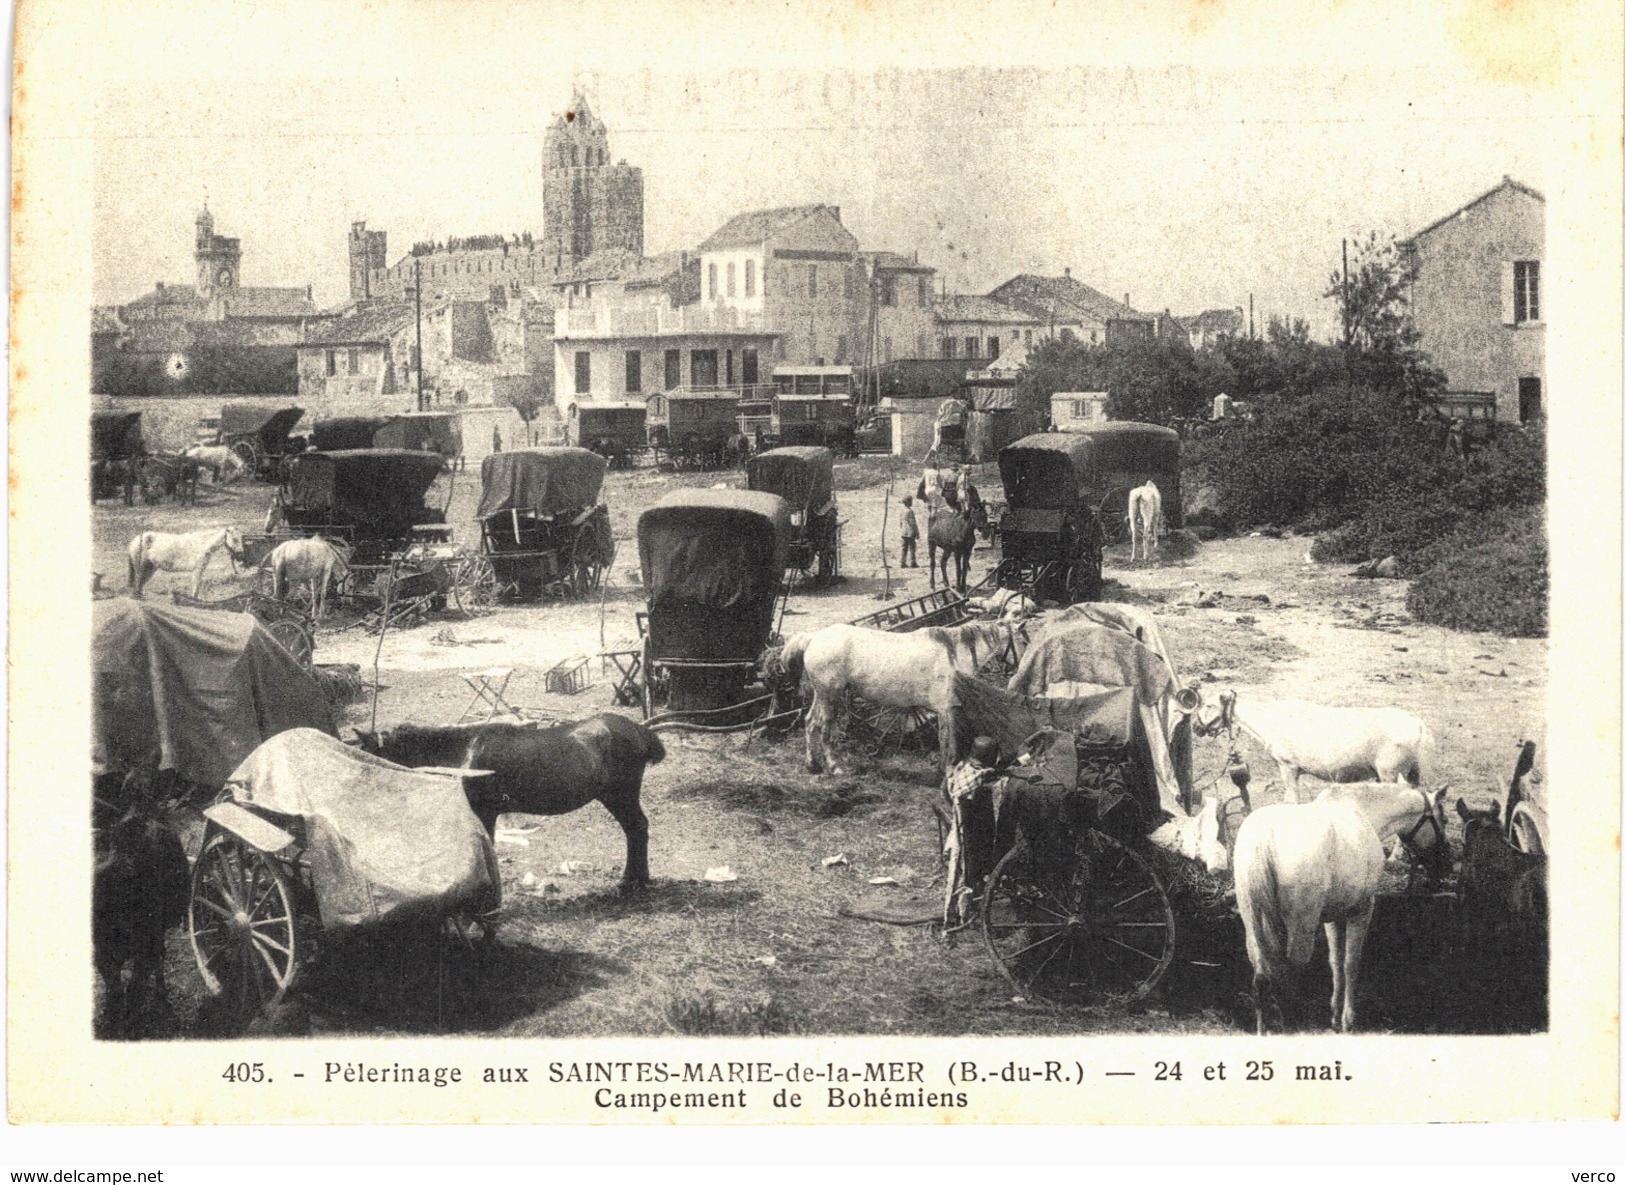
(1093,647)
(383,841)
(544,481)
(197,688)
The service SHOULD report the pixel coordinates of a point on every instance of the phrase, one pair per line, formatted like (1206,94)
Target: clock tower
(219,260)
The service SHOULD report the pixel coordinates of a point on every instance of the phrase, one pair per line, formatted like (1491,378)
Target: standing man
(911,534)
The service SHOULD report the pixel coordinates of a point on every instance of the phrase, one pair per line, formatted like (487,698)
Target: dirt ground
(769,951)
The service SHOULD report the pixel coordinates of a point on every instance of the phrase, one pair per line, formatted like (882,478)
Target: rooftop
(756,226)
(369,325)
(1506,183)
(1056,297)
(979,308)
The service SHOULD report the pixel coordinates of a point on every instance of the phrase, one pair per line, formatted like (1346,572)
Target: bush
(1492,575)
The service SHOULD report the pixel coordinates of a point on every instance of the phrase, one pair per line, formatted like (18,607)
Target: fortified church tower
(588,204)
(219,260)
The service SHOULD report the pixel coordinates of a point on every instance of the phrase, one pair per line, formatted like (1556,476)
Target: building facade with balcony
(1478,301)
(633,328)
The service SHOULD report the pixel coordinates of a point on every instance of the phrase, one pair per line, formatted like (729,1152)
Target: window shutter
(1508,313)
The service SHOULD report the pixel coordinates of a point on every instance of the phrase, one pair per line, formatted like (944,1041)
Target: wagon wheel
(879,732)
(248,452)
(475,585)
(1099,929)
(243,925)
(1083,580)
(587,569)
(295,639)
(1525,832)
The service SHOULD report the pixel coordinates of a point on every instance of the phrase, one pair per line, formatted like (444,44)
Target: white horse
(1319,864)
(317,562)
(914,670)
(1333,744)
(152,552)
(1144,521)
(217,457)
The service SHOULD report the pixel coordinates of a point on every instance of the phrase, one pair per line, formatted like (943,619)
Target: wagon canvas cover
(712,562)
(115,435)
(377,491)
(1079,656)
(431,431)
(346,432)
(270,422)
(540,481)
(382,840)
(803,476)
(202,689)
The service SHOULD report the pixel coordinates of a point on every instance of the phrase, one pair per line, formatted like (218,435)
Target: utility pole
(417,297)
(1250,334)
(1347,327)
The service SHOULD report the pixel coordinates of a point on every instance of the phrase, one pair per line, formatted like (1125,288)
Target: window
(583,372)
(674,369)
(1029,337)
(1066,335)
(702,368)
(353,362)
(1528,400)
(731,280)
(992,347)
(711,278)
(634,371)
(948,347)
(925,291)
(812,279)
(332,362)
(840,349)
(972,348)
(750,375)
(750,277)
(1525,291)
(888,291)
(728,368)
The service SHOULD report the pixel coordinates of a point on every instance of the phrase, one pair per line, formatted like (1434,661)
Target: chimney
(160,285)
(836,210)
(1068,272)
(1126,304)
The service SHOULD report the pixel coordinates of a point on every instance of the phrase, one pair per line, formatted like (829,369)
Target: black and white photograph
(798,552)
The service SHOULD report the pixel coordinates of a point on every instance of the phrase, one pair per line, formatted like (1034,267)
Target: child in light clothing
(911,534)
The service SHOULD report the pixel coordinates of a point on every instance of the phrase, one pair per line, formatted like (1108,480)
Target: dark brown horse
(139,890)
(541,771)
(952,530)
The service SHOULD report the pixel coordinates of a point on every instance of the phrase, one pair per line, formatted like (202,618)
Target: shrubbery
(1354,464)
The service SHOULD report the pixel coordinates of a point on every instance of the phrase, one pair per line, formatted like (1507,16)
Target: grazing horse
(914,670)
(1334,744)
(541,771)
(1144,521)
(1319,864)
(152,552)
(139,890)
(216,458)
(952,530)
(315,562)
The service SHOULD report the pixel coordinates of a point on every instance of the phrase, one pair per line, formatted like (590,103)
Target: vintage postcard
(932,564)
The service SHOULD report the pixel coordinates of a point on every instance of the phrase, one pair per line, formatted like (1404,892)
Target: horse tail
(1267,930)
(1427,757)
(793,656)
(138,560)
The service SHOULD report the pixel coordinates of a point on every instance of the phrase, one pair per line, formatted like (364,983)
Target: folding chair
(490,688)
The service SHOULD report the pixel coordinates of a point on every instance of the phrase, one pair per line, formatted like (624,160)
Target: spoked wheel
(245,933)
(295,639)
(475,585)
(1526,832)
(1100,929)
(885,732)
(249,454)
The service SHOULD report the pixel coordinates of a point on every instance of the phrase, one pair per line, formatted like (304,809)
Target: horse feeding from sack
(1299,867)
(913,670)
(315,563)
(541,770)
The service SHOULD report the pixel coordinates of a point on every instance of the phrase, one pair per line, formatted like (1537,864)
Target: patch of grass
(761,796)
(1491,576)
(701,1014)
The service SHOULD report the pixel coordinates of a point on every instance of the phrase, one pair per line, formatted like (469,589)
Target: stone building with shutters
(1478,301)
